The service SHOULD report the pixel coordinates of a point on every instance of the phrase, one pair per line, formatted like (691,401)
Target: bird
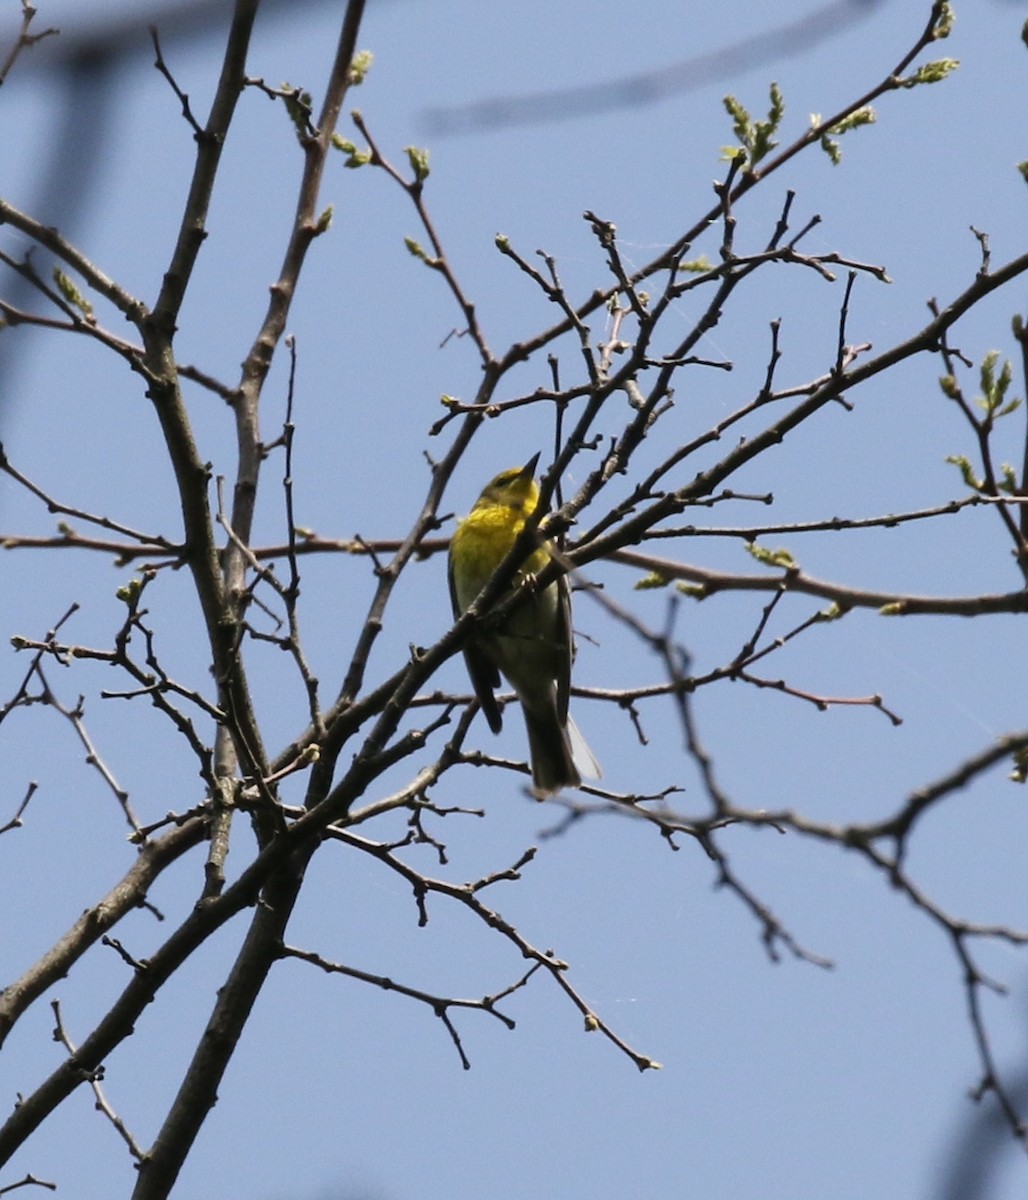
(533,648)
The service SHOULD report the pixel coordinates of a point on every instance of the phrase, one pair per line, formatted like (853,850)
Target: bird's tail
(558,753)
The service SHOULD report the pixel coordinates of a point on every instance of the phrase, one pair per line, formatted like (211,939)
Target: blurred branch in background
(80,65)
(649,87)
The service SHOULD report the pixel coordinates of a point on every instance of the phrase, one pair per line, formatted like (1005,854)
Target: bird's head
(514,488)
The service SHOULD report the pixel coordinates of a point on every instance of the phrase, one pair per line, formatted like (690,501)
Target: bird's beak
(528,470)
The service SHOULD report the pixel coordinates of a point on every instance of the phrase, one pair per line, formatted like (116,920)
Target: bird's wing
(485,678)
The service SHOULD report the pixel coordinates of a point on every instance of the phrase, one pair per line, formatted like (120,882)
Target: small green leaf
(858,117)
(764,131)
(777,110)
(772,558)
(964,463)
(697,591)
(71,293)
(354,157)
(944,23)
(418,251)
(742,126)
(933,72)
(950,387)
(360,66)
(696,266)
(324,221)
(756,138)
(1008,481)
(130,592)
(831,148)
(300,108)
(418,160)
(650,582)
(994,387)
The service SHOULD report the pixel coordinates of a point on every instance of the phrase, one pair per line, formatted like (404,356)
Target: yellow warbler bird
(533,648)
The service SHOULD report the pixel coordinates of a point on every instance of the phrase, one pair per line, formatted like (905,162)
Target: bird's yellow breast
(481,542)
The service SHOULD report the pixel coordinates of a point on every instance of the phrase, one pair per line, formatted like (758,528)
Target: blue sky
(780,1082)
